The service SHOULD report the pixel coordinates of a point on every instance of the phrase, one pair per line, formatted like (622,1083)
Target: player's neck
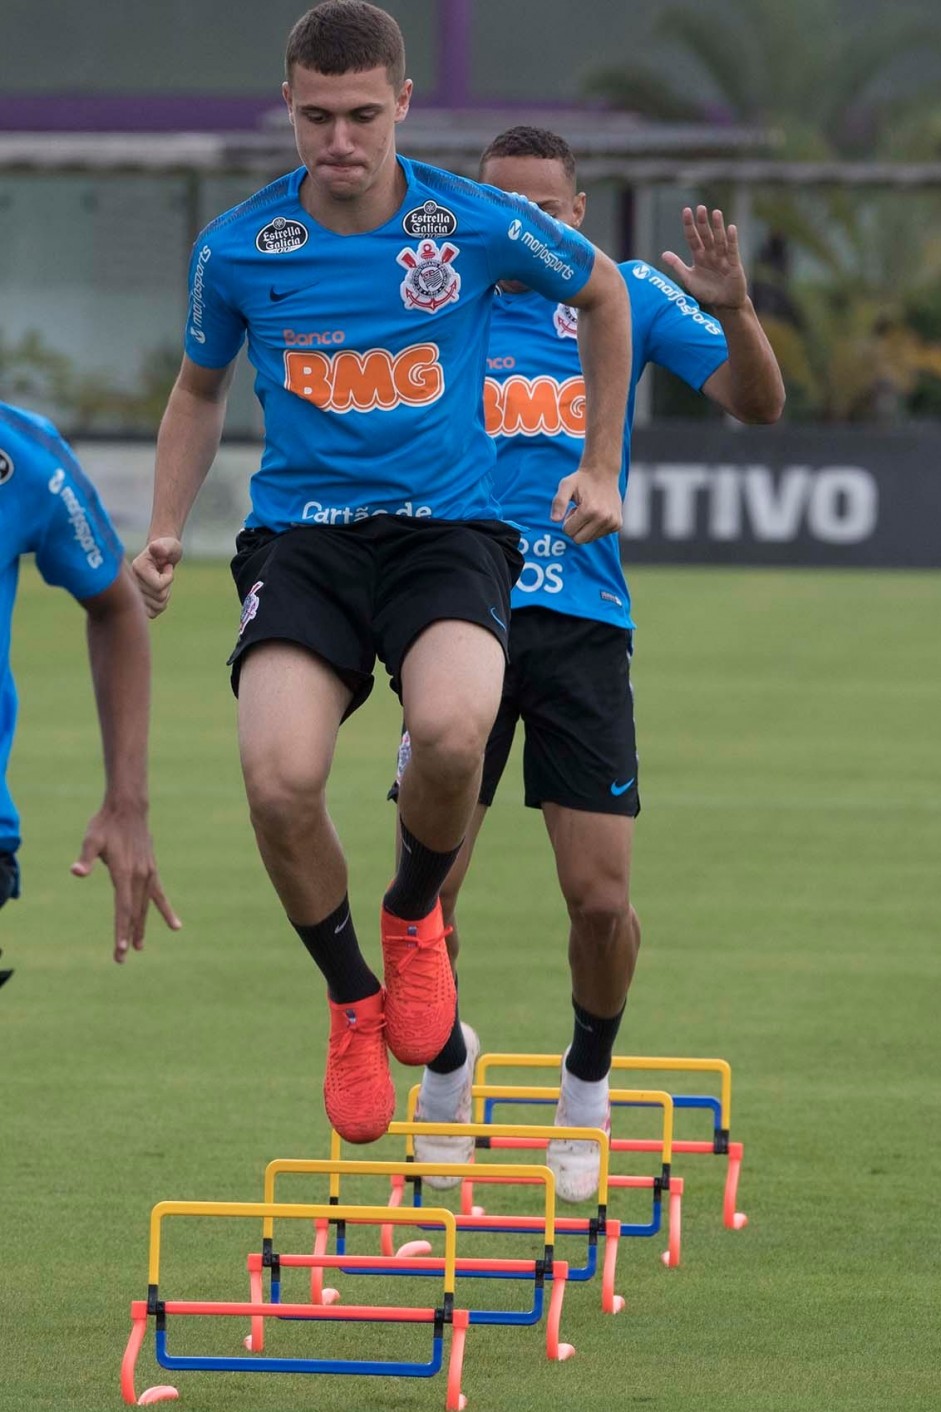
(357,214)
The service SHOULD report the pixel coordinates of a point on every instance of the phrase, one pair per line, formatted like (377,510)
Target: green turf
(786,873)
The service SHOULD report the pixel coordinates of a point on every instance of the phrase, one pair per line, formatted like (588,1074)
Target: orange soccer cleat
(357,1087)
(421,1000)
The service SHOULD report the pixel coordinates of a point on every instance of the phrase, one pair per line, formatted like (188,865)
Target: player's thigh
(442,621)
(452,682)
(290,706)
(592,855)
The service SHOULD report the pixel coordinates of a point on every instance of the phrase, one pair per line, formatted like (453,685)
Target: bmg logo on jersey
(376,380)
(541,406)
(431,281)
(6,467)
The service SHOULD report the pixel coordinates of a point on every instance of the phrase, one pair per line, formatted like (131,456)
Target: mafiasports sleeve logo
(6,467)
(431,281)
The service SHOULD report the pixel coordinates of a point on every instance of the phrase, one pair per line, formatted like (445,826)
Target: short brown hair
(525,141)
(344,37)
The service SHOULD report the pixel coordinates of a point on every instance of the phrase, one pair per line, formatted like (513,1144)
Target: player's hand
(716,277)
(153,569)
(121,840)
(588,505)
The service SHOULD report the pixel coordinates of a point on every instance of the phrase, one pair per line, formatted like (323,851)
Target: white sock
(589,1101)
(440,1094)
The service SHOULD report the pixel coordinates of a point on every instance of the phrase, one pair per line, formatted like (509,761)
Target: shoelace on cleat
(413,946)
(339,1044)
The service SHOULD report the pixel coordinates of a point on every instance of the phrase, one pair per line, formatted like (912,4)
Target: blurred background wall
(817,126)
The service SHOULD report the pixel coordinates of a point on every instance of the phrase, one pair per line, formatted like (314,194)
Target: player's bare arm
(748,385)
(604,346)
(119,655)
(186,448)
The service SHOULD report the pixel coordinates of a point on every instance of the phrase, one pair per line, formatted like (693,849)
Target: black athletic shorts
(569,682)
(352,593)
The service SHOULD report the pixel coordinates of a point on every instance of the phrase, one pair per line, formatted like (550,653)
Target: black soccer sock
(333,945)
(417,883)
(9,877)
(589,1057)
(454,1054)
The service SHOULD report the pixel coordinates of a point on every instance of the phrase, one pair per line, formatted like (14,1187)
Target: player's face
(344,127)
(545,182)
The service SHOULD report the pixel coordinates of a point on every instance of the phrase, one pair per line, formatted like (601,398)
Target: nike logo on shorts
(617,789)
(493,614)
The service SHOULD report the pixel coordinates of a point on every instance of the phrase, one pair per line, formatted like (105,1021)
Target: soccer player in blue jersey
(571,632)
(48,508)
(364,285)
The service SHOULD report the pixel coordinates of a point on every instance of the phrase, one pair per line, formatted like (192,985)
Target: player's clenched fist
(153,569)
(588,506)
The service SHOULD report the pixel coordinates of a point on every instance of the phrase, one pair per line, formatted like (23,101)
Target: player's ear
(403,100)
(286,95)
(578,209)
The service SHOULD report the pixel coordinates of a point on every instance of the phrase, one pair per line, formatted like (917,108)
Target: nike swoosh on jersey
(622,788)
(276,295)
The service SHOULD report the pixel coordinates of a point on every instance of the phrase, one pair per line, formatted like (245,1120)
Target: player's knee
(281,806)
(600,910)
(450,752)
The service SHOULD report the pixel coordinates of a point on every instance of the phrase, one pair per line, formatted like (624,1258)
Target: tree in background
(848,283)
(798,68)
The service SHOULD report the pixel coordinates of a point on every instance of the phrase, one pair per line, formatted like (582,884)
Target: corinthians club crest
(565,319)
(251,605)
(431,280)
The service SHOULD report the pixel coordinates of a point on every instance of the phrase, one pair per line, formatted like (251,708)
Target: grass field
(786,872)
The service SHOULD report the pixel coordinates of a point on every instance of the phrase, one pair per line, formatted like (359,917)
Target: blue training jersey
(369,349)
(47,508)
(534,400)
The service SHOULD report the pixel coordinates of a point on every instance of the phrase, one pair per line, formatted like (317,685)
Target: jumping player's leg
(451,681)
(290,707)
(291,704)
(447,1080)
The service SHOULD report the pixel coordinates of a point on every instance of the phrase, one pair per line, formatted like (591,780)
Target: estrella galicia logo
(280,236)
(6,467)
(429,219)
(515,230)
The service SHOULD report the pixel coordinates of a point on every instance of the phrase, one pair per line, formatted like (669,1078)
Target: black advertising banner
(704,493)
